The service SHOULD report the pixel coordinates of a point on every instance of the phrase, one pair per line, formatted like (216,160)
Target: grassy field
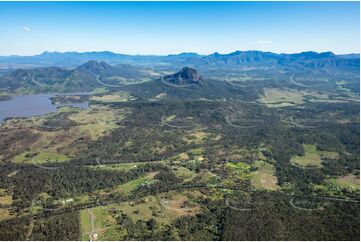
(274,97)
(312,156)
(196,136)
(5,198)
(112,233)
(350,181)
(164,208)
(96,122)
(113,98)
(184,173)
(158,97)
(43,144)
(5,214)
(264,177)
(132,185)
(85,223)
(41,157)
(102,220)
(238,167)
(100,90)
(121,166)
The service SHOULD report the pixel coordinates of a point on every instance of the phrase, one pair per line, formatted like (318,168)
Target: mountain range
(54,72)
(85,77)
(245,58)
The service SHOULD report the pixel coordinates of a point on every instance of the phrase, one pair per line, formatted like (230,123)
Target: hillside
(85,77)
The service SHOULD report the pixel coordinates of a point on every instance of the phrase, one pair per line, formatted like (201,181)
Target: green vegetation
(281,98)
(264,177)
(134,184)
(184,173)
(112,98)
(120,166)
(312,157)
(237,171)
(85,224)
(100,90)
(42,157)
(349,181)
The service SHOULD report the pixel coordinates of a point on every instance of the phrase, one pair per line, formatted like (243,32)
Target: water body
(32,105)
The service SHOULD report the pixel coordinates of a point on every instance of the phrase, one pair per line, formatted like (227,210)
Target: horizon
(163,28)
(170,54)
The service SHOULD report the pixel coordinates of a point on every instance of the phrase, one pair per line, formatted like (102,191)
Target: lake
(31,105)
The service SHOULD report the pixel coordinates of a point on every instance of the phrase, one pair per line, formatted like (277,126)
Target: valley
(201,149)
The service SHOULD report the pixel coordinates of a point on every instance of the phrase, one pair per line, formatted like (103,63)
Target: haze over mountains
(250,58)
(72,71)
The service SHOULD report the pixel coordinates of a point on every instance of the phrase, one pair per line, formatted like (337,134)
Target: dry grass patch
(349,181)
(39,144)
(6,199)
(5,214)
(196,136)
(180,206)
(264,177)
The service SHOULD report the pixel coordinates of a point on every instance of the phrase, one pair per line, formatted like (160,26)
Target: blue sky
(28,28)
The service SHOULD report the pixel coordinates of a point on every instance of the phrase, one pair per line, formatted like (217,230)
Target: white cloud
(264,42)
(26,29)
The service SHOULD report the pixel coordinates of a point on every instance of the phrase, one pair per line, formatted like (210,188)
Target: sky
(159,28)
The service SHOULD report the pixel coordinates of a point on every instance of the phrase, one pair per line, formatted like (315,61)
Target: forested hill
(85,77)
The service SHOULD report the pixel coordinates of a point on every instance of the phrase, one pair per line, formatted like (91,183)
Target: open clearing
(41,145)
(238,169)
(264,177)
(41,157)
(120,166)
(134,184)
(274,97)
(113,98)
(312,156)
(180,206)
(184,173)
(5,214)
(349,181)
(94,220)
(164,208)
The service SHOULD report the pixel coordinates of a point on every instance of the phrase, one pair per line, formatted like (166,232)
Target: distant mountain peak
(186,76)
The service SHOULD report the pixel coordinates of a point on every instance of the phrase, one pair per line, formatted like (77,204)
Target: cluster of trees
(145,230)
(167,181)
(14,229)
(56,227)
(67,180)
(59,227)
